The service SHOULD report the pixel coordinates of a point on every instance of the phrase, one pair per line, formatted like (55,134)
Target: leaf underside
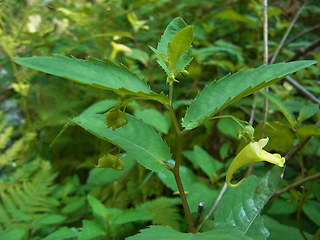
(220,94)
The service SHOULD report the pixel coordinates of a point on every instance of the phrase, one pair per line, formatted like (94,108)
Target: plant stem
(214,206)
(178,160)
(265,61)
(316,235)
(296,184)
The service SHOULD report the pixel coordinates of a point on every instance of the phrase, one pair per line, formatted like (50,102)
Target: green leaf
(280,135)
(279,231)
(280,104)
(47,219)
(175,26)
(137,138)
(97,207)
(94,72)
(307,112)
(62,234)
(220,94)
(100,107)
(103,74)
(201,158)
(179,44)
(132,215)
(312,209)
(281,206)
(167,233)
(153,118)
(16,234)
(234,16)
(241,206)
(229,127)
(308,130)
(91,230)
(164,210)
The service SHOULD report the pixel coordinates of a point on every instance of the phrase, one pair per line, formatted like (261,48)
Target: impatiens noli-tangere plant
(137,137)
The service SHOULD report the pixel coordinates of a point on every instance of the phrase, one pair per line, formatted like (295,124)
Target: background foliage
(49,186)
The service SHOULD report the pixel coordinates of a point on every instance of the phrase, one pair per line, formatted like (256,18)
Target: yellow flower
(253,152)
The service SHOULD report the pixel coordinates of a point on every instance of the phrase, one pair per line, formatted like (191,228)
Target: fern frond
(25,196)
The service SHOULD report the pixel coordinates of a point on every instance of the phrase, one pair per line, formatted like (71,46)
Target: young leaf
(61,234)
(220,94)
(93,72)
(174,27)
(137,138)
(242,205)
(179,44)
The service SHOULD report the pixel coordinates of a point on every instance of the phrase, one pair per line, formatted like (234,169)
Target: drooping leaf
(220,94)
(241,206)
(167,233)
(93,72)
(280,104)
(137,138)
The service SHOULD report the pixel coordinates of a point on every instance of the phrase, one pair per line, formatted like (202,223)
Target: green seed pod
(110,161)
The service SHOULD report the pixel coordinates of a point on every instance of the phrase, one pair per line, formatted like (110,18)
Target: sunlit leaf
(220,94)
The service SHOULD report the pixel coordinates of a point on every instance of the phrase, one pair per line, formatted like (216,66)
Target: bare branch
(301,89)
(214,206)
(284,38)
(296,184)
(304,51)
